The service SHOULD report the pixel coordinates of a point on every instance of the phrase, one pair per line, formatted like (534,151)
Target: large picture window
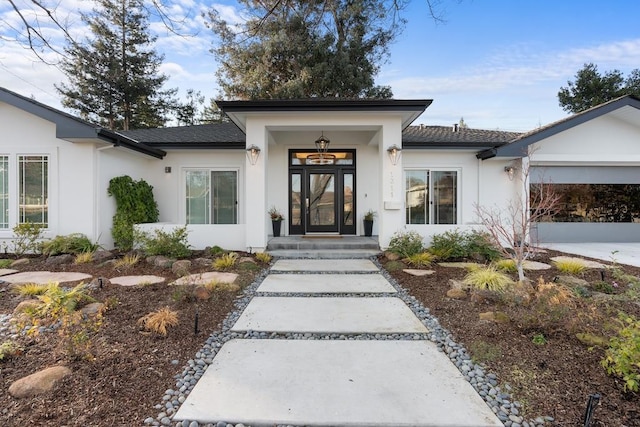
(33,183)
(212,197)
(431,196)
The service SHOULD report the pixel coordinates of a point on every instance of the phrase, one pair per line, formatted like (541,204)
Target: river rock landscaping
(523,358)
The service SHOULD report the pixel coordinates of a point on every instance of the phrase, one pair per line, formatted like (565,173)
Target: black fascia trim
(519,146)
(323,104)
(119,140)
(198,145)
(487,154)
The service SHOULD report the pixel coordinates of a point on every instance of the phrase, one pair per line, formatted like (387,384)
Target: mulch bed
(132,368)
(553,379)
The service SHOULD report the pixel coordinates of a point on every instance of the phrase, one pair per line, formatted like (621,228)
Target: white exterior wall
(480,183)
(71,182)
(169,191)
(605,140)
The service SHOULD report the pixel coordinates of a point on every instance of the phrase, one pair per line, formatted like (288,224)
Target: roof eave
(118,139)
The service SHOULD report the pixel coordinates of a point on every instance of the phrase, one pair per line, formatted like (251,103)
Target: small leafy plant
(506,265)
(263,257)
(27,238)
(570,266)
(74,244)
(539,339)
(622,358)
(487,278)
(423,259)
(30,289)
(159,321)
(5,263)
(83,258)
(369,215)
(216,250)
(275,214)
(406,244)
(225,261)
(174,244)
(9,349)
(129,260)
(455,244)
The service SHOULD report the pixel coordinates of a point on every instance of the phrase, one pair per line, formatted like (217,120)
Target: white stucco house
(323,164)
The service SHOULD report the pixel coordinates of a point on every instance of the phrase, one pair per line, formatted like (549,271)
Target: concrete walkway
(343,350)
(622,253)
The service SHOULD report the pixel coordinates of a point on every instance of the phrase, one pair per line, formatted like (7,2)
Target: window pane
(296,199)
(417,197)
(593,202)
(224,209)
(4,192)
(197,197)
(444,197)
(348,199)
(34,191)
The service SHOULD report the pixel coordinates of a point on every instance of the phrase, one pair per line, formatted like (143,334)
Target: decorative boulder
(456,293)
(38,383)
(181,268)
(60,259)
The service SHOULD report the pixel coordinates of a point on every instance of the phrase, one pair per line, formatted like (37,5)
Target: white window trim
(458,171)
(183,192)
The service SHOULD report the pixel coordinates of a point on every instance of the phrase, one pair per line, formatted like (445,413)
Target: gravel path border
(485,383)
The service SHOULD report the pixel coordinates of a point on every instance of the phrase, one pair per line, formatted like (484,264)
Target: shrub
(27,236)
(455,244)
(30,289)
(487,278)
(506,265)
(622,358)
(216,250)
(394,266)
(84,258)
(215,285)
(604,287)
(423,259)
(129,260)
(406,244)
(263,257)
(5,263)
(225,261)
(9,349)
(76,243)
(539,339)
(158,321)
(173,243)
(134,205)
(569,266)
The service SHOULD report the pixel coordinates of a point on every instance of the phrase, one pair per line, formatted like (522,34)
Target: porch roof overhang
(238,111)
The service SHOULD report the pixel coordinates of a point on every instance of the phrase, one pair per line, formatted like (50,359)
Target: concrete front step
(324,266)
(303,243)
(324,253)
(270,382)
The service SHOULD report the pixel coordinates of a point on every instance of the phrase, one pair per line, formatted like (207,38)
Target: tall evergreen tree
(113,74)
(301,48)
(591,88)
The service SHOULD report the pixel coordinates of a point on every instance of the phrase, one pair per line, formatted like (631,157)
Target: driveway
(622,253)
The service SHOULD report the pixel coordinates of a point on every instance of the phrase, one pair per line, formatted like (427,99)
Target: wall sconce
(253,152)
(511,172)
(394,154)
(167,169)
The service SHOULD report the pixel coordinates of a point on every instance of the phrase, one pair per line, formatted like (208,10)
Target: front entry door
(322,195)
(321,212)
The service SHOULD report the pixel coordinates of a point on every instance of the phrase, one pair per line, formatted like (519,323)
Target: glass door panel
(296,204)
(321,202)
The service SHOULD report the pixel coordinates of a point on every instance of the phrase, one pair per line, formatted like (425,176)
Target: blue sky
(499,64)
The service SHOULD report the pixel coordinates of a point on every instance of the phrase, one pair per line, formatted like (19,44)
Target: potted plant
(368,222)
(276,220)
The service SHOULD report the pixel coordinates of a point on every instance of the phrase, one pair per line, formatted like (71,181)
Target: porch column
(256,188)
(390,213)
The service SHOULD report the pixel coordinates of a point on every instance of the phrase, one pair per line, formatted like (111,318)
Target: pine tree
(113,75)
(303,49)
